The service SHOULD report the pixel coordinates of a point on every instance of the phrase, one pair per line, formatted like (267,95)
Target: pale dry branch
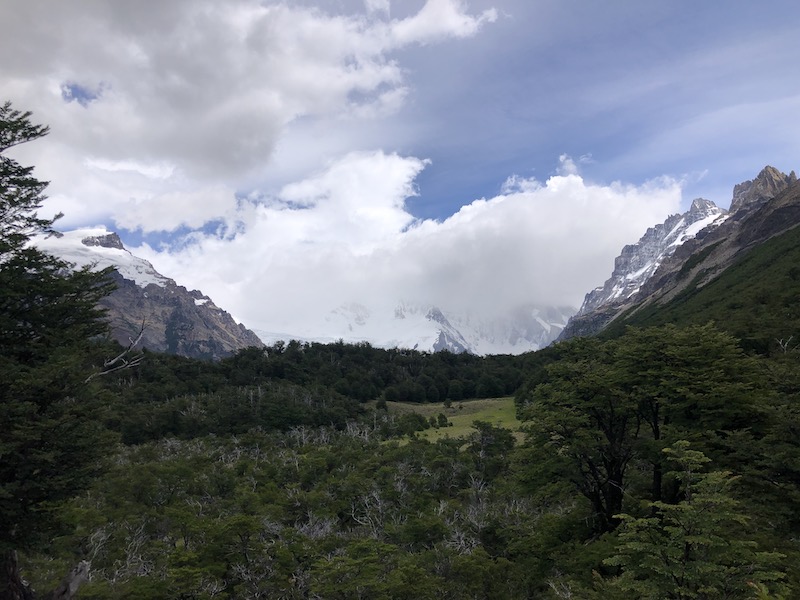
(127,359)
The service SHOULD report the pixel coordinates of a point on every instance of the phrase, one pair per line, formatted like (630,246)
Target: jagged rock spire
(639,261)
(768,183)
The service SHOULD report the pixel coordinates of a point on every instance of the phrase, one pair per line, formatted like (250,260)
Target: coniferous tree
(50,438)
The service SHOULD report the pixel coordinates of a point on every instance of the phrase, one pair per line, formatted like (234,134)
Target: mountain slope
(756,298)
(637,262)
(175,320)
(702,257)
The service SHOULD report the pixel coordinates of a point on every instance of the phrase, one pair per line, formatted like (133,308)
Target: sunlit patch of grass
(499,412)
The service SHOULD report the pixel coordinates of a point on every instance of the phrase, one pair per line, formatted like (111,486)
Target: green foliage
(606,405)
(230,493)
(51,439)
(490,448)
(21,194)
(364,373)
(697,548)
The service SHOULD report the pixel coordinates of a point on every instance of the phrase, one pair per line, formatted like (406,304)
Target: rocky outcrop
(767,185)
(108,240)
(170,318)
(175,321)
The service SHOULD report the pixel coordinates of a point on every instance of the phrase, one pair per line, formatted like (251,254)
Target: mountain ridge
(760,209)
(169,317)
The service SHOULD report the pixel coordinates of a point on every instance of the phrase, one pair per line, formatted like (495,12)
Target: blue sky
(630,84)
(368,147)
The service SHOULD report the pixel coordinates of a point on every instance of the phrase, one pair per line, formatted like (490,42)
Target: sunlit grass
(499,412)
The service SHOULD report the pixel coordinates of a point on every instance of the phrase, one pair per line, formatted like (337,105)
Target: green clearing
(500,412)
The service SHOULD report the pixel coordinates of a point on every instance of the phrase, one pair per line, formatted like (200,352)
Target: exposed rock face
(752,193)
(760,209)
(175,320)
(110,240)
(701,260)
(638,262)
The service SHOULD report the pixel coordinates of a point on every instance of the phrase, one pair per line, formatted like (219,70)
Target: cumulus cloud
(377,6)
(205,89)
(346,235)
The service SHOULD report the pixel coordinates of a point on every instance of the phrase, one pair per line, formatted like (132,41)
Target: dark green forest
(656,461)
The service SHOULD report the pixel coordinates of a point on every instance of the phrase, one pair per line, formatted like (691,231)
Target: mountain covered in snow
(661,262)
(637,262)
(432,329)
(171,318)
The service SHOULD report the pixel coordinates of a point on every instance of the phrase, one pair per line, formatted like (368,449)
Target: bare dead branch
(126,359)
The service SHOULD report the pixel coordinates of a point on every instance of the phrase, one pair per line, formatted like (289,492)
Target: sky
(287,157)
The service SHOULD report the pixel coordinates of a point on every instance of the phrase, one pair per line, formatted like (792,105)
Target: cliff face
(761,208)
(637,262)
(175,320)
(752,193)
(171,318)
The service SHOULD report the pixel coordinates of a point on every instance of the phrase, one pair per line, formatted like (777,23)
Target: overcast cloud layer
(286,157)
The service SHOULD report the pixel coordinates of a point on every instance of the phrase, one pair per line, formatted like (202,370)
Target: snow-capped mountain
(430,328)
(99,248)
(637,262)
(658,266)
(175,320)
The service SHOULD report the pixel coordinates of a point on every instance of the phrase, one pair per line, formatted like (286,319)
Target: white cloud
(377,6)
(567,165)
(202,90)
(346,235)
(169,211)
(515,184)
(439,19)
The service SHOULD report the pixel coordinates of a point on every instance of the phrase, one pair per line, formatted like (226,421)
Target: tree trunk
(12,586)
(658,478)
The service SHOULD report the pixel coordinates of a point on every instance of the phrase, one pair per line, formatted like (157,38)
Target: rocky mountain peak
(109,240)
(637,262)
(702,208)
(768,183)
(175,320)
(761,208)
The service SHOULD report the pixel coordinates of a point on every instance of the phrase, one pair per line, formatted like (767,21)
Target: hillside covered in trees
(657,461)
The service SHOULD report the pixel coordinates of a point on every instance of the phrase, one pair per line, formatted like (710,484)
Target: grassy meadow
(500,412)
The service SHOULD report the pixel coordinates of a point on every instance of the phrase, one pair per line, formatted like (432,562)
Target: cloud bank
(345,235)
